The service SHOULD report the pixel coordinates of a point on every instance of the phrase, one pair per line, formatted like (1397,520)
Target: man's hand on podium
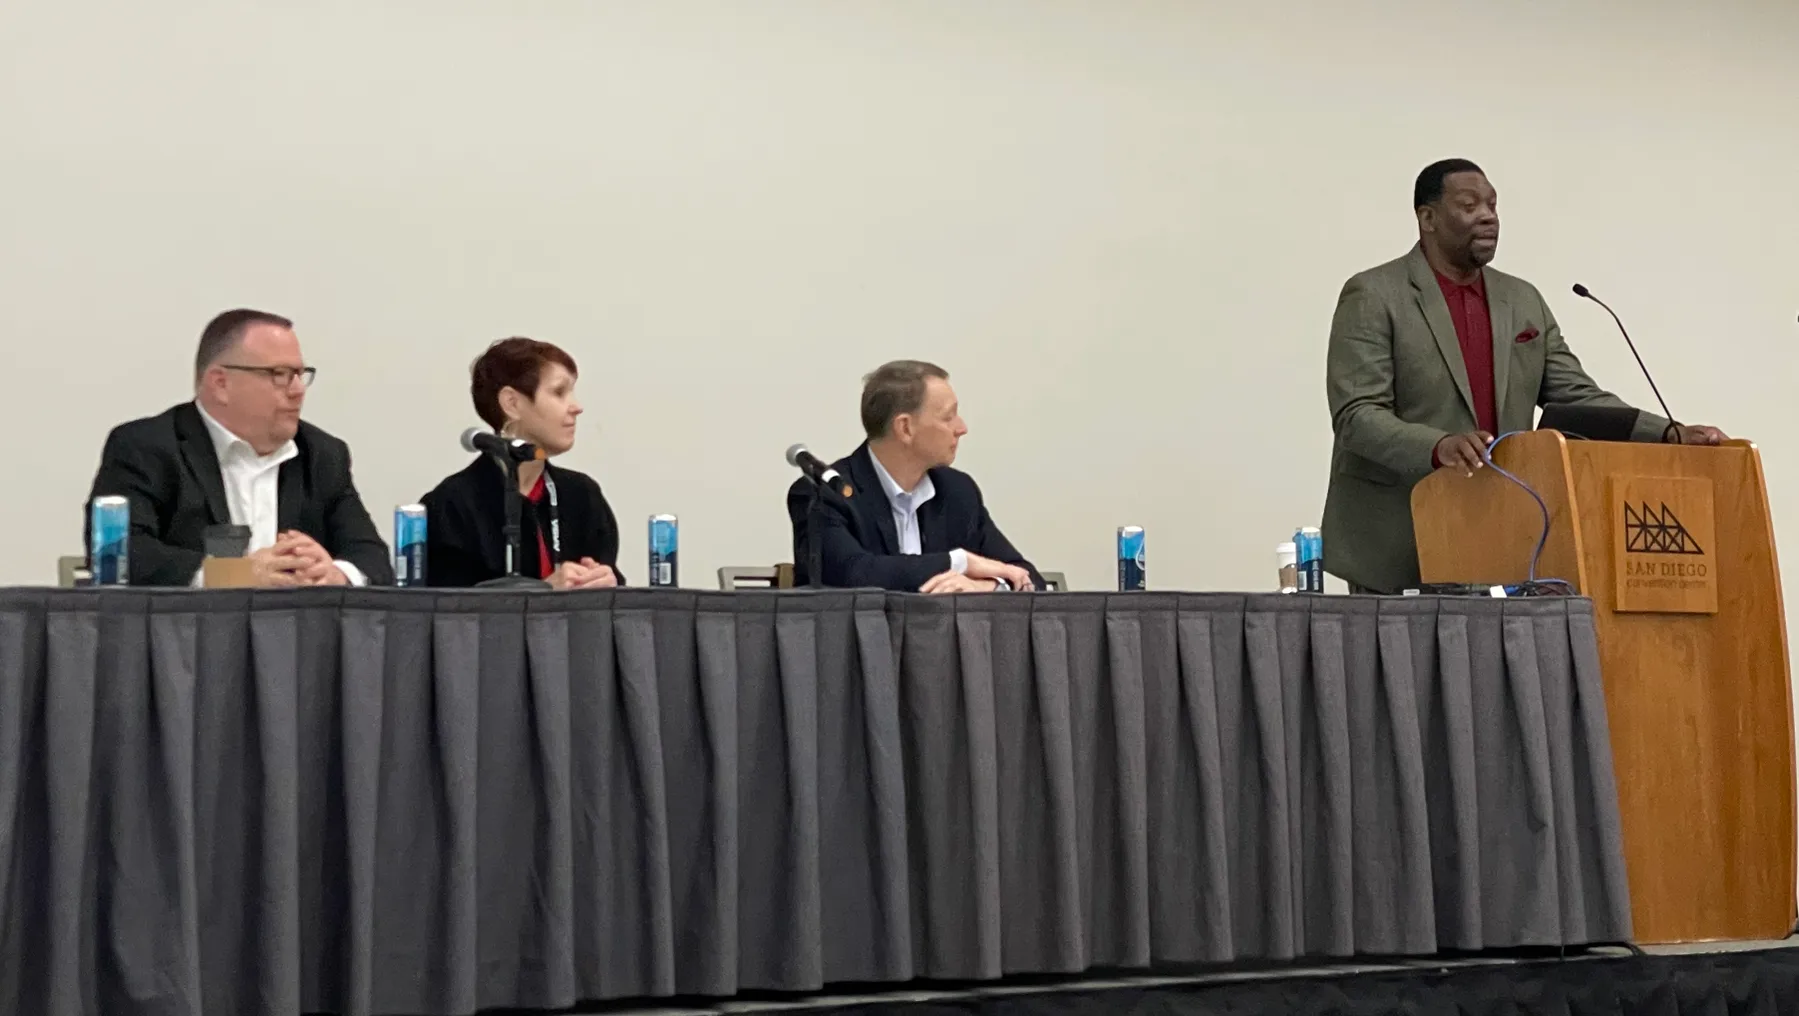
(1695,434)
(1466,452)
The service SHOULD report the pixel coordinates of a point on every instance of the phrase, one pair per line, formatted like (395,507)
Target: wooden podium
(1675,547)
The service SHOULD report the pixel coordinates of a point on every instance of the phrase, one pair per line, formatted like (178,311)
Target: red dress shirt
(1474,333)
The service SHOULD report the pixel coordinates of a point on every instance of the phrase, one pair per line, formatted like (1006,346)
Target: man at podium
(1430,356)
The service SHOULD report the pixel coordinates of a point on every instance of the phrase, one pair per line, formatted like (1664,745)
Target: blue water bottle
(109,540)
(665,538)
(1132,572)
(409,545)
(1309,542)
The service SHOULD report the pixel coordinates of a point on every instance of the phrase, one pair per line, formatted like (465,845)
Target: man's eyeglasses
(282,377)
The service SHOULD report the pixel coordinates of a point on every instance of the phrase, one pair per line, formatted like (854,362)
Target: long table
(385,801)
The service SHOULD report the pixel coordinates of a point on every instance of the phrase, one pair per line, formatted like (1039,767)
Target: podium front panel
(1663,541)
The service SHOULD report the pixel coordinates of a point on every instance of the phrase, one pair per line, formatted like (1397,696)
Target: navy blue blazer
(859,545)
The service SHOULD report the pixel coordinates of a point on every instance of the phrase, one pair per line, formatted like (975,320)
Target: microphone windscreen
(468,439)
(1581,291)
(794,453)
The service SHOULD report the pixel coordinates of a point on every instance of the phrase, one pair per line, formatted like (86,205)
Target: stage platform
(1739,979)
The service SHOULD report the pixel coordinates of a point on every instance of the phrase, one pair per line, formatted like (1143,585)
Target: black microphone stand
(514,529)
(815,578)
(814,556)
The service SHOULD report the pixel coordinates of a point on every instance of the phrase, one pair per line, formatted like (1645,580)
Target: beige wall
(1122,225)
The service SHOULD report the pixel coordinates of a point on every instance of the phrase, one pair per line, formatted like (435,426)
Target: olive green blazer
(1397,385)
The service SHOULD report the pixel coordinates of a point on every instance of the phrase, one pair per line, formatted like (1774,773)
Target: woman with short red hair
(523,389)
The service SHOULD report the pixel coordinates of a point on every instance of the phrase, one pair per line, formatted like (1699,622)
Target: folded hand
(317,567)
(583,574)
(277,568)
(987,568)
(956,582)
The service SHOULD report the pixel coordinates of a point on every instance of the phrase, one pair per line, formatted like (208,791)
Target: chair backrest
(72,571)
(778,576)
(1054,581)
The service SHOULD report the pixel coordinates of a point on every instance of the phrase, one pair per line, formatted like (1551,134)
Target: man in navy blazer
(913,524)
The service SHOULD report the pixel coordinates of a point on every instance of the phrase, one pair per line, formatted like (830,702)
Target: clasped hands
(294,559)
(979,578)
(583,574)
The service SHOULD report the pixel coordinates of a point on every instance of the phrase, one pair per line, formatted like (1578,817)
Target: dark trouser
(1364,590)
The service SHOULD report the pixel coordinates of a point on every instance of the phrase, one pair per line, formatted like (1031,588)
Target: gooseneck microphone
(1587,294)
(818,471)
(512,449)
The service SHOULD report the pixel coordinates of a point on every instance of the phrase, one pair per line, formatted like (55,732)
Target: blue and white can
(409,545)
(1308,541)
(665,540)
(1132,572)
(109,541)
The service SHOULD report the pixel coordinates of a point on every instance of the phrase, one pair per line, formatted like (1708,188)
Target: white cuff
(958,561)
(353,573)
(1001,586)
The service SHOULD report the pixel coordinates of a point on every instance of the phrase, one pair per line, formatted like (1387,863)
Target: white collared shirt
(905,505)
(253,489)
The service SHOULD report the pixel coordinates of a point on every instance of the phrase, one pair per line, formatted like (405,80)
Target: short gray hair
(223,333)
(892,389)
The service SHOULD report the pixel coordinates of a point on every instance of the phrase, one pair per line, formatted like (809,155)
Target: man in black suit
(238,454)
(913,523)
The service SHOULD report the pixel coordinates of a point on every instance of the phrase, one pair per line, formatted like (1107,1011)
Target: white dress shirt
(905,504)
(253,489)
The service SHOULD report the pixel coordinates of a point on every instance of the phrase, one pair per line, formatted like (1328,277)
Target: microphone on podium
(818,471)
(1587,294)
(505,449)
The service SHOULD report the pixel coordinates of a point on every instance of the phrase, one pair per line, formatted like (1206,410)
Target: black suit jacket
(167,466)
(859,545)
(465,525)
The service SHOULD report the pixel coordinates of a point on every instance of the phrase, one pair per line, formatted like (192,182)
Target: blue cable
(1542,506)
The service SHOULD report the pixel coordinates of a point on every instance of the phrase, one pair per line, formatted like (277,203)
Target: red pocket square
(1526,335)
